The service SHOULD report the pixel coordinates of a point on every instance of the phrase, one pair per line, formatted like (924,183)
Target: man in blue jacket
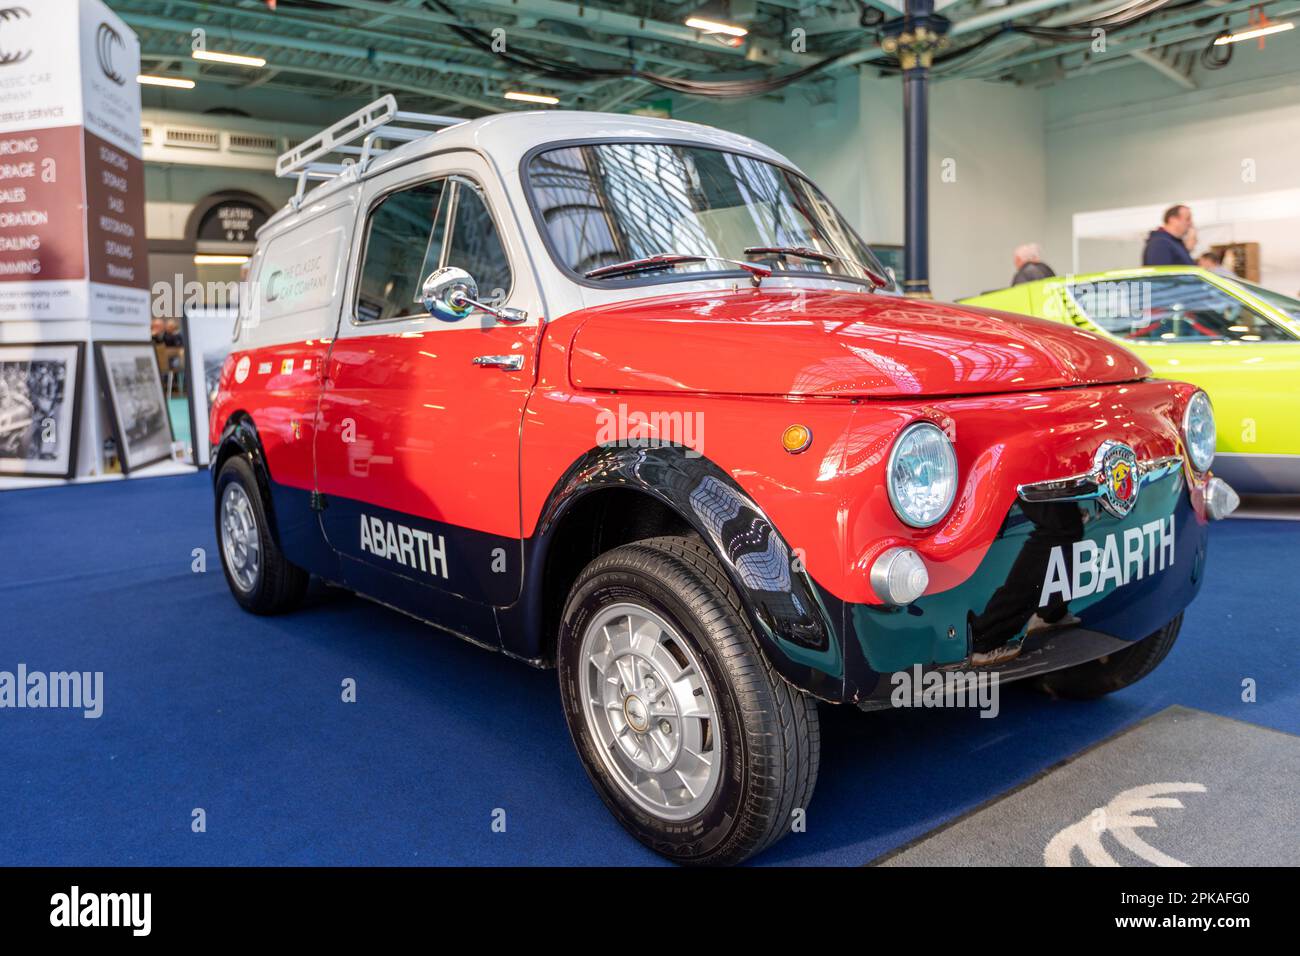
(1165,245)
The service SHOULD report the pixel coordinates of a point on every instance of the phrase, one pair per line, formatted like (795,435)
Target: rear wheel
(259,576)
(690,737)
(1114,671)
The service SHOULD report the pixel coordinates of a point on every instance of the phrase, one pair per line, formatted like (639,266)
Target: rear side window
(417,230)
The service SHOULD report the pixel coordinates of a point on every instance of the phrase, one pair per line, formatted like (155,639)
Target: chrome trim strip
(511,363)
(1090,485)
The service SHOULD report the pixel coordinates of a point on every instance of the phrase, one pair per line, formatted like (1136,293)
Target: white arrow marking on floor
(1119,817)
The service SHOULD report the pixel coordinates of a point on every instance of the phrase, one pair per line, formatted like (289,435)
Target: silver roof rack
(373,123)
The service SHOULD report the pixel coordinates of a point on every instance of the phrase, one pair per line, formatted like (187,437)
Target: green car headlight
(1199,432)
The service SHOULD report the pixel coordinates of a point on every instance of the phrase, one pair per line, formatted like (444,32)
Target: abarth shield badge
(1117,468)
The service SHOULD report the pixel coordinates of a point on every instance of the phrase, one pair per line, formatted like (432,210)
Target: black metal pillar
(914,38)
(916,192)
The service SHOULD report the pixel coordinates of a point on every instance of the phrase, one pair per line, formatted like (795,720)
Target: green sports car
(1238,341)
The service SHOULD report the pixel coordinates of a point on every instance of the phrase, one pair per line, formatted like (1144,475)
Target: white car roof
(507,137)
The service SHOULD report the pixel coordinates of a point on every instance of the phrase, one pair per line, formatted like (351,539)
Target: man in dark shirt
(1165,246)
(1029,264)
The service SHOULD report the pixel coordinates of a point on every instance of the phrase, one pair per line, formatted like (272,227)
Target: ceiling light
(542,98)
(208,259)
(175,82)
(1252,34)
(706,25)
(236,58)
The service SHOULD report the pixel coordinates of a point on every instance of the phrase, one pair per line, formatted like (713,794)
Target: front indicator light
(899,576)
(796,438)
(1220,499)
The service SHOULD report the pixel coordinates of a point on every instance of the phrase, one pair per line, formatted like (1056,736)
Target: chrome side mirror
(450,294)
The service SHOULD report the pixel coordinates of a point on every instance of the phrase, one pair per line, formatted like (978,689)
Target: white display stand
(73,258)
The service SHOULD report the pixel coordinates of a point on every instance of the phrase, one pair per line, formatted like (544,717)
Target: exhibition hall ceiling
(464,56)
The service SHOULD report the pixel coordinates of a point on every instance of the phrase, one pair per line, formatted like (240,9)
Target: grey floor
(1182,788)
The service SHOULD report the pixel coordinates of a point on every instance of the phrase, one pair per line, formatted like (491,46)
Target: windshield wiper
(667,260)
(803,252)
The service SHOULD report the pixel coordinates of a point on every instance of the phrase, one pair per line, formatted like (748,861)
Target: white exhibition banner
(73,257)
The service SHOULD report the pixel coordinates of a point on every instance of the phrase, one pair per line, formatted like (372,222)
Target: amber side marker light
(796,438)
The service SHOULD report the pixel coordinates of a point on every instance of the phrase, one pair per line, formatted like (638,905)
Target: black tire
(278,585)
(1115,671)
(769,738)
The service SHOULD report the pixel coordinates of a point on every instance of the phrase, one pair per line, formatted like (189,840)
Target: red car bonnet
(832,343)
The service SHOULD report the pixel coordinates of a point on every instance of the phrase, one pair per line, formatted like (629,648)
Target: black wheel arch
(671,489)
(239,437)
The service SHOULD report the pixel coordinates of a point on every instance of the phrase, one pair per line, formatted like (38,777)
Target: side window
(409,237)
(476,247)
(1175,308)
(405,233)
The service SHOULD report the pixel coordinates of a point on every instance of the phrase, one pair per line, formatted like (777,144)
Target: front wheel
(1114,671)
(260,577)
(690,737)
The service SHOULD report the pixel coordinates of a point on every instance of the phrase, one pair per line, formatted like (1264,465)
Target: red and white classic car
(629,398)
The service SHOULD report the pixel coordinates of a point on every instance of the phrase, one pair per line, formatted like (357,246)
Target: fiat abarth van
(627,397)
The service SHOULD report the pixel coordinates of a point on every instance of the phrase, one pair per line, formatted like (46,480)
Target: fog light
(1220,499)
(899,576)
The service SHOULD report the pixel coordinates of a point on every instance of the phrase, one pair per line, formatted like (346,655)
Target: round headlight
(922,475)
(1199,433)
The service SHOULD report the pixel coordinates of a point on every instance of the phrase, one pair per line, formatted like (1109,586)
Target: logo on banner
(106,41)
(8,57)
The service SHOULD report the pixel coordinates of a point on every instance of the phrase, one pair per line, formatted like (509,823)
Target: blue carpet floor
(209,707)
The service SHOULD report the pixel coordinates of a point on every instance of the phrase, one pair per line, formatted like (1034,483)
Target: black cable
(1217,57)
(559,70)
(869,16)
(1081,31)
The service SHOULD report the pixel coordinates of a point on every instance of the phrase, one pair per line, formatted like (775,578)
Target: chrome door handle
(511,363)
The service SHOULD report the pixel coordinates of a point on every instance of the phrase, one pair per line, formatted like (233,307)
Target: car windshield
(612,203)
(1175,308)
(1277,300)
